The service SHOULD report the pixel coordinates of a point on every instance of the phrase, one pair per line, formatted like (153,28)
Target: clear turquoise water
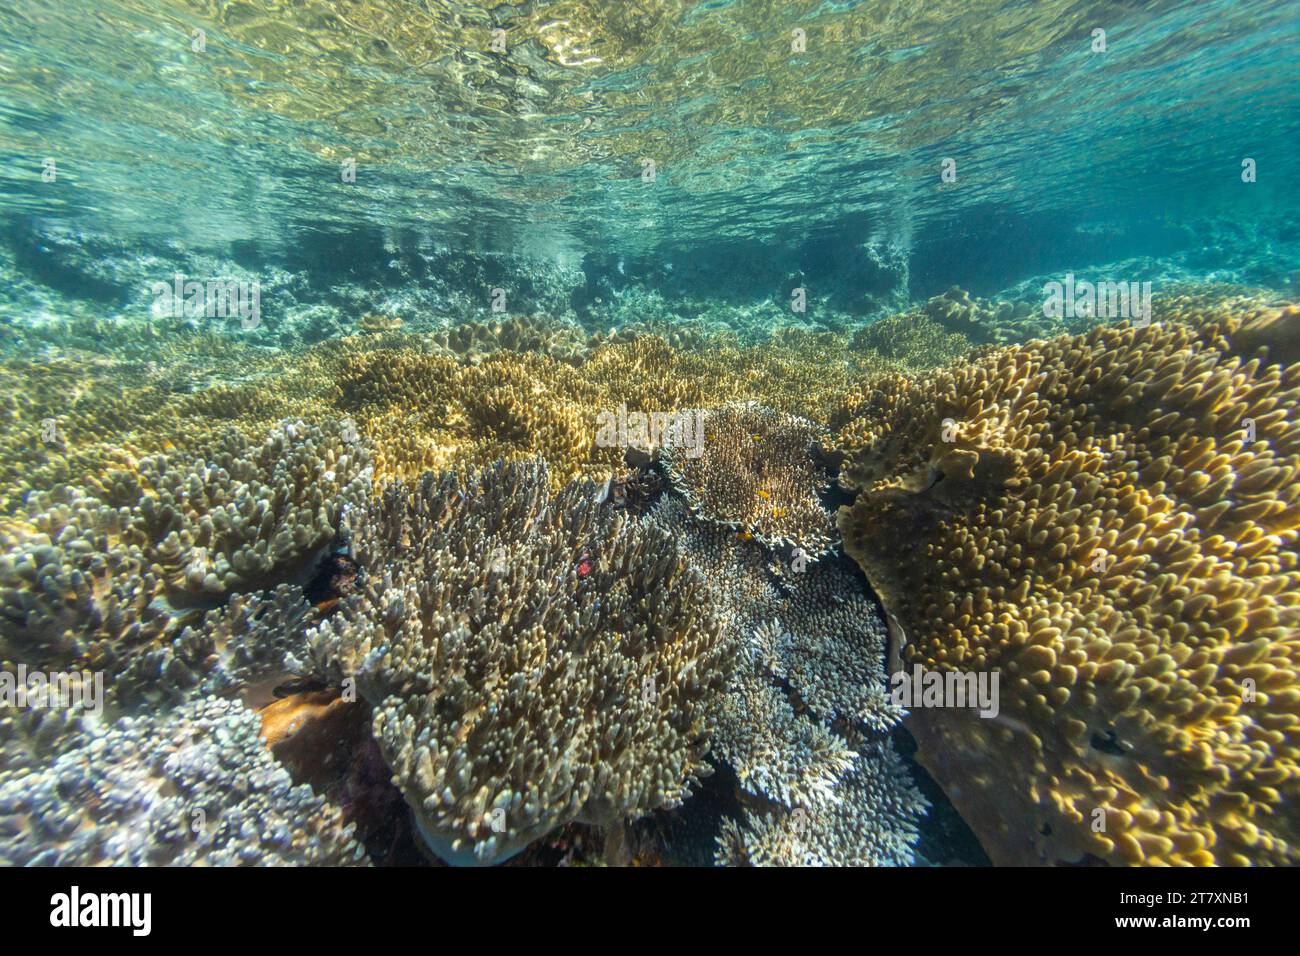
(1062,154)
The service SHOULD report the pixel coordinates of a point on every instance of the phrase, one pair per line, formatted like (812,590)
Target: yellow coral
(1110,522)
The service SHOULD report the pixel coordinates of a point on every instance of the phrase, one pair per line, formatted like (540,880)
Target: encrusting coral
(1109,521)
(530,659)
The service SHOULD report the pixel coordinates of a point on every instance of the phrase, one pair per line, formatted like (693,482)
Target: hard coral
(96,578)
(1110,522)
(804,719)
(193,786)
(755,471)
(512,693)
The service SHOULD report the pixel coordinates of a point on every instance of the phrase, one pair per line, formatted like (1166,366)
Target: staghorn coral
(755,472)
(1110,522)
(193,786)
(530,660)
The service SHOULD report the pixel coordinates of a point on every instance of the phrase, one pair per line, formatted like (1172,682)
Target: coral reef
(473,341)
(755,471)
(982,321)
(193,786)
(805,718)
(871,822)
(530,659)
(1110,522)
(912,340)
(95,578)
(240,647)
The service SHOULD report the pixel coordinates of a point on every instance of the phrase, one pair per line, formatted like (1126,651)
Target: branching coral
(96,579)
(237,648)
(530,659)
(1110,522)
(188,787)
(804,717)
(872,822)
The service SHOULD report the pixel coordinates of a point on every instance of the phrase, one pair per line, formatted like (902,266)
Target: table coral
(755,471)
(804,720)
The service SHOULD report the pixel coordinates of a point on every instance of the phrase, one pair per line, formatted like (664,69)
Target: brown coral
(755,471)
(1110,522)
(530,660)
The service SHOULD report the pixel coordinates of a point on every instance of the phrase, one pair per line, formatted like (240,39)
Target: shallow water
(267,265)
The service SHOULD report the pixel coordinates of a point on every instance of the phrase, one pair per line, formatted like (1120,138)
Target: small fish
(744,536)
(758,438)
(763,494)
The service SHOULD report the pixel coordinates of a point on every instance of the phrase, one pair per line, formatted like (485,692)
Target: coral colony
(597,465)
